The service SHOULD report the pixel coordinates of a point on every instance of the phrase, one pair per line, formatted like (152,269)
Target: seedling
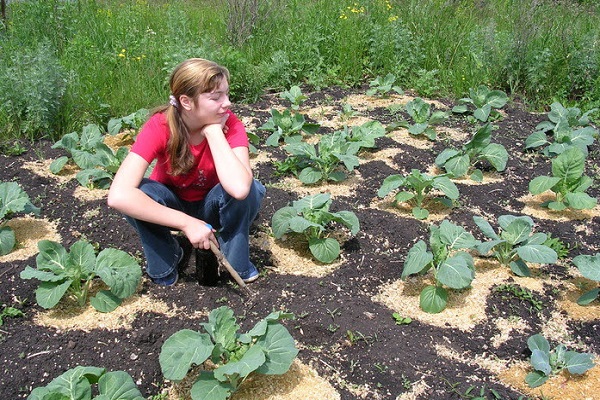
(13,199)
(311,218)
(400,320)
(268,348)
(423,119)
(419,185)
(132,121)
(520,293)
(383,86)
(589,266)
(568,182)
(348,112)
(77,383)
(452,267)
(460,162)
(547,362)
(295,96)
(485,101)
(63,273)
(515,244)
(287,126)
(10,312)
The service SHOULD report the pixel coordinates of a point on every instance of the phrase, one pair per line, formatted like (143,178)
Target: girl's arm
(125,196)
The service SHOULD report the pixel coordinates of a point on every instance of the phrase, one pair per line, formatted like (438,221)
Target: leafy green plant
(400,320)
(547,362)
(267,348)
(560,247)
(362,136)
(418,187)
(485,102)
(568,182)
(310,217)
(589,266)
(77,383)
(568,127)
(13,199)
(423,119)
(98,162)
(452,267)
(383,86)
(132,121)
(72,273)
(515,244)
(460,162)
(520,293)
(294,96)
(9,312)
(287,126)
(347,112)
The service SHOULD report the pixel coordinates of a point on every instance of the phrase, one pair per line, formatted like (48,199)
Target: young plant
(310,217)
(515,244)
(589,266)
(547,362)
(418,186)
(63,273)
(383,86)
(424,119)
(567,128)
(287,126)
(568,182)
(362,136)
(9,312)
(460,162)
(77,383)
(132,121)
(97,161)
(268,348)
(485,101)
(452,267)
(13,199)
(294,96)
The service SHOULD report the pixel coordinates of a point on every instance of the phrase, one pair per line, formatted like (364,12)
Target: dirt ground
(350,346)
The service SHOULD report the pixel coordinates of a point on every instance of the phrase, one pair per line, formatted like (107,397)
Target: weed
(521,293)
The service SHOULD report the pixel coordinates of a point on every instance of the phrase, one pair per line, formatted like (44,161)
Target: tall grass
(107,58)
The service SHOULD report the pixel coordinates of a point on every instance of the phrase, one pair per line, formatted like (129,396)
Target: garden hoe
(223,261)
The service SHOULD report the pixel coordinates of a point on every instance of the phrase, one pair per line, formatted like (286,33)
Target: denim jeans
(230,217)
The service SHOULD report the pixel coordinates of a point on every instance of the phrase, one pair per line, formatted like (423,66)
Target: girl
(202,182)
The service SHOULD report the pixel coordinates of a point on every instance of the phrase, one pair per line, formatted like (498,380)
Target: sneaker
(250,276)
(207,267)
(168,280)
(187,248)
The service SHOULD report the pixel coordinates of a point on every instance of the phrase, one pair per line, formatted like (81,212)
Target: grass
(85,61)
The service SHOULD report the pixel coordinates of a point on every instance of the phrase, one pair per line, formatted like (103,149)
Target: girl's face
(211,107)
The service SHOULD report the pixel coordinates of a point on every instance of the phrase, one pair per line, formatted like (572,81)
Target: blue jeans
(230,217)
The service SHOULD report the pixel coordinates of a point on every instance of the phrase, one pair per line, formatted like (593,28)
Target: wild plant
(547,362)
(71,273)
(460,162)
(565,127)
(589,266)
(98,162)
(419,187)
(77,383)
(287,126)
(452,267)
(423,119)
(383,86)
(515,244)
(310,217)
(268,348)
(485,102)
(294,96)
(568,182)
(13,199)
(9,312)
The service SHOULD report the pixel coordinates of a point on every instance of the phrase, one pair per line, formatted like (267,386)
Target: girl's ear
(185,102)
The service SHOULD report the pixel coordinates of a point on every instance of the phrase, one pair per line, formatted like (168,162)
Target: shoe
(187,248)
(207,267)
(250,276)
(168,280)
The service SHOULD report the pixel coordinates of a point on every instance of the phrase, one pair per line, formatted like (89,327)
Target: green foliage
(72,273)
(294,96)
(132,121)
(13,199)
(77,383)
(589,266)
(268,348)
(567,128)
(452,267)
(424,119)
(460,162)
(521,293)
(485,101)
(400,320)
(383,86)
(561,248)
(287,126)
(418,186)
(310,217)
(547,362)
(10,312)
(568,182)
(515,244)
(98,162)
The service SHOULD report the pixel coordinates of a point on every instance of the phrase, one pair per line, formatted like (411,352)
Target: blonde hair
(190,78)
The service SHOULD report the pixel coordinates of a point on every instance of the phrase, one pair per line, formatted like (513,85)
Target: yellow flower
(392,18)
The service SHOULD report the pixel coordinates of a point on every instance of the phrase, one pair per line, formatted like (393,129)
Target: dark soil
(387,358)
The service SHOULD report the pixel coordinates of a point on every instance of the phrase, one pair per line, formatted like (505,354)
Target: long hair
(191,78)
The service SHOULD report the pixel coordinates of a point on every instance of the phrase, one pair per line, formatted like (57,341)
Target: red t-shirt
(151,144)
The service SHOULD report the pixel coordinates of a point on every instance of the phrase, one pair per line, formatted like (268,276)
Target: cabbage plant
(483,103)
(13,199)
(589,266)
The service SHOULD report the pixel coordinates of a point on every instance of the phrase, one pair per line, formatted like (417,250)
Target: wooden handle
(228,267)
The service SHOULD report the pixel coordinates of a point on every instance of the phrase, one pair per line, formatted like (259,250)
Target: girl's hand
(201,234)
